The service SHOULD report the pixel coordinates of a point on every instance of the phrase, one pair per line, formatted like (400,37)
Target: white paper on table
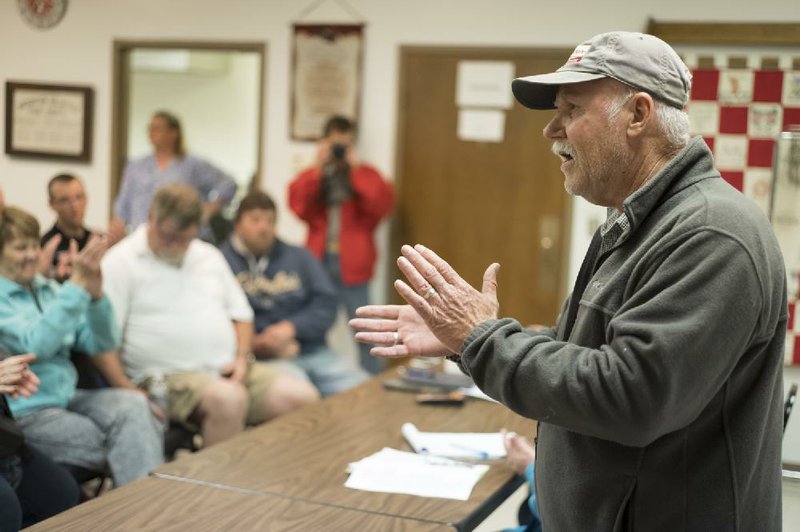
(393,471)
(470,445)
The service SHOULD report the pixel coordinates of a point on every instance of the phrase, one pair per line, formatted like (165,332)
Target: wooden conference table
(160,504)
(295,466)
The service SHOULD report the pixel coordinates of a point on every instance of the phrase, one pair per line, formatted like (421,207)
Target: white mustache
(561,147)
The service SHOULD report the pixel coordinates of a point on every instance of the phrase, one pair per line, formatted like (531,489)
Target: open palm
(376,324)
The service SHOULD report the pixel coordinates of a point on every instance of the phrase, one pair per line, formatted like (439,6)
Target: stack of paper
(393,471)
(469,445)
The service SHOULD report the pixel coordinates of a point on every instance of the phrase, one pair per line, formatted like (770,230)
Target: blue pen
(477,452)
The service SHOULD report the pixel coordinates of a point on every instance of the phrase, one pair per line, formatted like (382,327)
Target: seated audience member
(32,487)
(291,294)
(67,198)
(91,429)
(169,163)
(186,320)
(519,457)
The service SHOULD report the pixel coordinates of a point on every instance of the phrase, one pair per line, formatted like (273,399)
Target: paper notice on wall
(481,125)
(485,84)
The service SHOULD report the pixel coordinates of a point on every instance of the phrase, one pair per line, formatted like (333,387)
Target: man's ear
(644,109)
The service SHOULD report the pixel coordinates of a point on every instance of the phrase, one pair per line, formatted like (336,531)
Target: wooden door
(479,202)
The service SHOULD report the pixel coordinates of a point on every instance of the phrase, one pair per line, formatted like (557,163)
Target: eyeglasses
(180,238)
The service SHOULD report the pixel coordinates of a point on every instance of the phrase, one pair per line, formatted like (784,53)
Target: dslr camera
(338,151)
(336,186)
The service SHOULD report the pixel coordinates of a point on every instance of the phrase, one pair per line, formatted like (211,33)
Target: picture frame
(49,121)
(326,76)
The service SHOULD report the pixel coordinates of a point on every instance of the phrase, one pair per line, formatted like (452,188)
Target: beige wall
(78,50)
(225,133)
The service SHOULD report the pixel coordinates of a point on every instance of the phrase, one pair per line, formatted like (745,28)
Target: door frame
(120,98)
(400,124)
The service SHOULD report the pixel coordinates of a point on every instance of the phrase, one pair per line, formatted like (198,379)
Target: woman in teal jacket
(90,429)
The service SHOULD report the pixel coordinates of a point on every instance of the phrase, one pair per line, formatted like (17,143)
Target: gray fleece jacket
(663,408)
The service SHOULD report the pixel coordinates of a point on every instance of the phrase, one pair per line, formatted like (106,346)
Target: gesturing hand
(46,255)
(86,264)
(397,331)
(450,307)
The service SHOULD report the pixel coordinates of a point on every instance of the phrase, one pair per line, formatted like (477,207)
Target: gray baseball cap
(641,61)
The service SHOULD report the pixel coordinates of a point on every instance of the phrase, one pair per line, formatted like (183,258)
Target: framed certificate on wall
(326,76)
(49,121)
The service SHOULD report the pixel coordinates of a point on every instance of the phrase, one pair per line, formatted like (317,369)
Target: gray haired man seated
(185,319)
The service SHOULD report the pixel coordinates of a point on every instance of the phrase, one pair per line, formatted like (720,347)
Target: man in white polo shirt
(185,319)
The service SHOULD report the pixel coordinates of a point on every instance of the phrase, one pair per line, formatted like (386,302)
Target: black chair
(84,476)
(179,437)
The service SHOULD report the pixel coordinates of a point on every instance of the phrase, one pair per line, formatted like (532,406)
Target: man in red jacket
(343,200)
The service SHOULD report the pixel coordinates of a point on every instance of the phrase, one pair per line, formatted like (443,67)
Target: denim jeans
(99,428)
(353,297)
(328,370)
(41,490)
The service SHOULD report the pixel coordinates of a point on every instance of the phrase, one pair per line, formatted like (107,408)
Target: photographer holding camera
(343,200)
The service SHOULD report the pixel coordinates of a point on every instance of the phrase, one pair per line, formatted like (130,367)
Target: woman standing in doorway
(169,163)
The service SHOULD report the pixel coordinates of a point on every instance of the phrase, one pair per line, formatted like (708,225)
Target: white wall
(226,133)
(79,50)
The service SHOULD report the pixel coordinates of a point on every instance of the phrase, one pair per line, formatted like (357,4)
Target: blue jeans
(329,371)
(99,428)
(353,297)
(40,489)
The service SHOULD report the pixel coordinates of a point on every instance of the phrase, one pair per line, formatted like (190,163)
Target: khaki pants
(186,390)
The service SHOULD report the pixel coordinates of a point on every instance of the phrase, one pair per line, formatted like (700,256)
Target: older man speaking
(659,389)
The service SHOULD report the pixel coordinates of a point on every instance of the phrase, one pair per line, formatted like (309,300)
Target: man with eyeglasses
(187,324)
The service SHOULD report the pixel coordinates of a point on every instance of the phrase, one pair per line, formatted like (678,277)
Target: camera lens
(338,151)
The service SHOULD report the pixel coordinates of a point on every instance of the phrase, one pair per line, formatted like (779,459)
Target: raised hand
(449,306)
(396,331)
(46,255)
(86,264)
(323,154)
(64,265)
